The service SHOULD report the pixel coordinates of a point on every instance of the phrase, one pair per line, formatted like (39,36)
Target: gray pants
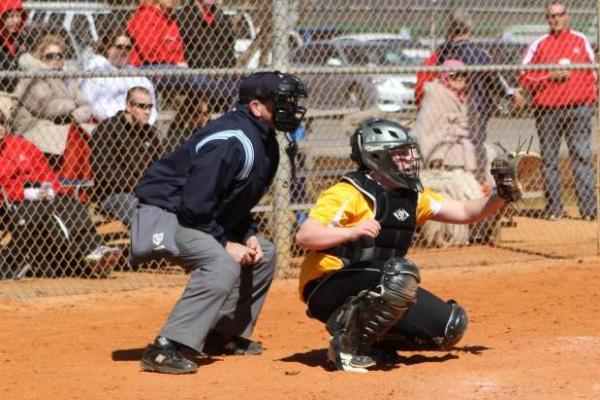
(120,206)
(575,124)
(220,294)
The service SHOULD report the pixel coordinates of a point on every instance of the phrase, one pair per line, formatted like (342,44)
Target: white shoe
(102,260)
(346,361)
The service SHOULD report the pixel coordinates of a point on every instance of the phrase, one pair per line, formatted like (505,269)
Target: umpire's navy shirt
(215,178)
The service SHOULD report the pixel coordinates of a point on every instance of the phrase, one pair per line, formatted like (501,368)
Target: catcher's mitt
(510,170)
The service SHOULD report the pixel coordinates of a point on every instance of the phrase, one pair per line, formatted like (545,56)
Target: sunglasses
(143,106)
(556,15)
(126,47)
(457,75)
(54,56)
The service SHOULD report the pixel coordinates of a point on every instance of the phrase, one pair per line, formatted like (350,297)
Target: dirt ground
(534,334)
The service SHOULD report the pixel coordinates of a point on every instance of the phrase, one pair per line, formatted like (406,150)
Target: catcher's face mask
(386,147)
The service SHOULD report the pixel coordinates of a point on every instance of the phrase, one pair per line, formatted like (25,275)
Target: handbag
(152,234)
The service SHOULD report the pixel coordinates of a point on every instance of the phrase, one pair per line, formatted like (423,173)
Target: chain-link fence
(93,92)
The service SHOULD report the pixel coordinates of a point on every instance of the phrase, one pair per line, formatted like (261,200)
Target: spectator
(50,231)
(442,127)
(155,32)
(52,113)
(193,113)
(107,95)
(122,147)
(13,18)
(482,86)
(158,46)
(563,100)
(207,34)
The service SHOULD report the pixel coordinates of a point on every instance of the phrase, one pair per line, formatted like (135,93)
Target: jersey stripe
(246,144)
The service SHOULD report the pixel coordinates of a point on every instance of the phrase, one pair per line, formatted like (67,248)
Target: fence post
(597,129)
(282,234)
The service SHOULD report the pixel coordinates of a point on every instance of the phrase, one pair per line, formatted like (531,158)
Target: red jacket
(21,162)
(155,36)
(424,77)
(6,6)
(568,47)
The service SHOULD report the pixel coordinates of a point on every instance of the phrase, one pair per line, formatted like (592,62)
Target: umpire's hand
(254,244)
(244,255)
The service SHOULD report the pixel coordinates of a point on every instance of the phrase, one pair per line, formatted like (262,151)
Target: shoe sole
(146,366)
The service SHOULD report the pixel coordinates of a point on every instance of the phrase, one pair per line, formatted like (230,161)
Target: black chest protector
(396,212)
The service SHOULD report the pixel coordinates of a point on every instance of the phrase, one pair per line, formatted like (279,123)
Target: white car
(395,92)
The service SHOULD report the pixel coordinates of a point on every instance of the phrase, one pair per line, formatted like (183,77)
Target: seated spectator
(107,95)
(122,147)
(442,125)
(12,21)
(193,113)
(52,113)
(155,30)
(51,232)
(207,34)
(158,46)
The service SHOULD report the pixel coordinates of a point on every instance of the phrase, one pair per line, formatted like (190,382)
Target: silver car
(387,92)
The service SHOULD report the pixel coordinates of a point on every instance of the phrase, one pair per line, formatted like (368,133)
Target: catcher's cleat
(346,361)
(164,357)
(221,344)
(385,355)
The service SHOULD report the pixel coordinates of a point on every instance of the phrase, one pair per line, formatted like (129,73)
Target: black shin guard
(363,319)
(431,323)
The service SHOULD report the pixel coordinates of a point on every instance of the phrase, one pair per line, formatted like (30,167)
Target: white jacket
(107,95)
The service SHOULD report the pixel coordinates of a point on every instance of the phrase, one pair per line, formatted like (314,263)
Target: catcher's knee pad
(399,282)
(456,326)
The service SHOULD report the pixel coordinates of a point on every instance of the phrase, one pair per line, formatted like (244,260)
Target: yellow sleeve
(341,205)
(430,203)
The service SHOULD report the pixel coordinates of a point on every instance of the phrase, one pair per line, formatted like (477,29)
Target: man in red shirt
(563,100)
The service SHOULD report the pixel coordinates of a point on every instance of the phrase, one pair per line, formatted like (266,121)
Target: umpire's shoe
(163,356)
(217,344)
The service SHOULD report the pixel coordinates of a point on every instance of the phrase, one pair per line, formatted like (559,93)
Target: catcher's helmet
(284,89)
(386,147)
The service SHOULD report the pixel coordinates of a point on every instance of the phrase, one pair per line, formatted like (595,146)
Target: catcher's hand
(510,170)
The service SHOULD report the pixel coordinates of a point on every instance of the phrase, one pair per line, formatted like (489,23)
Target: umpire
(211,183)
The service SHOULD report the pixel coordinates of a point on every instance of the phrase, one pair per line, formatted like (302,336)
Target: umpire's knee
(269,257)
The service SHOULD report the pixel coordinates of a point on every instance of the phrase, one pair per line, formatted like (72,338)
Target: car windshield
(388,54)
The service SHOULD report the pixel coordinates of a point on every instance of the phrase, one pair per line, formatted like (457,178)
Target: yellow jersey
(343,205)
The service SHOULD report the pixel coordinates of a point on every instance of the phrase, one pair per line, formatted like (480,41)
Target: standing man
(482,87)
(563,100)
(122,147)
(210,184)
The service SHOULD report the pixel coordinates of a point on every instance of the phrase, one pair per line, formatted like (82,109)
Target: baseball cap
(259,86)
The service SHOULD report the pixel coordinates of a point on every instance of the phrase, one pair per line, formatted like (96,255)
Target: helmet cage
(287,113)
(373,147)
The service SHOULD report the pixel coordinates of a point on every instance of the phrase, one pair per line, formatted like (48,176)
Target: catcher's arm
(468,211)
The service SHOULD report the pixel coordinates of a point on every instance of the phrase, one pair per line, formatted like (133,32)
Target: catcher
(355,278)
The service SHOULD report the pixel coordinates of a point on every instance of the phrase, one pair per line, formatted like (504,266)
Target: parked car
(79,22)
(387,92)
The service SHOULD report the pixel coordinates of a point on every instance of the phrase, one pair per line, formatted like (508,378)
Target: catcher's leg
(431,323)
(363,319)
